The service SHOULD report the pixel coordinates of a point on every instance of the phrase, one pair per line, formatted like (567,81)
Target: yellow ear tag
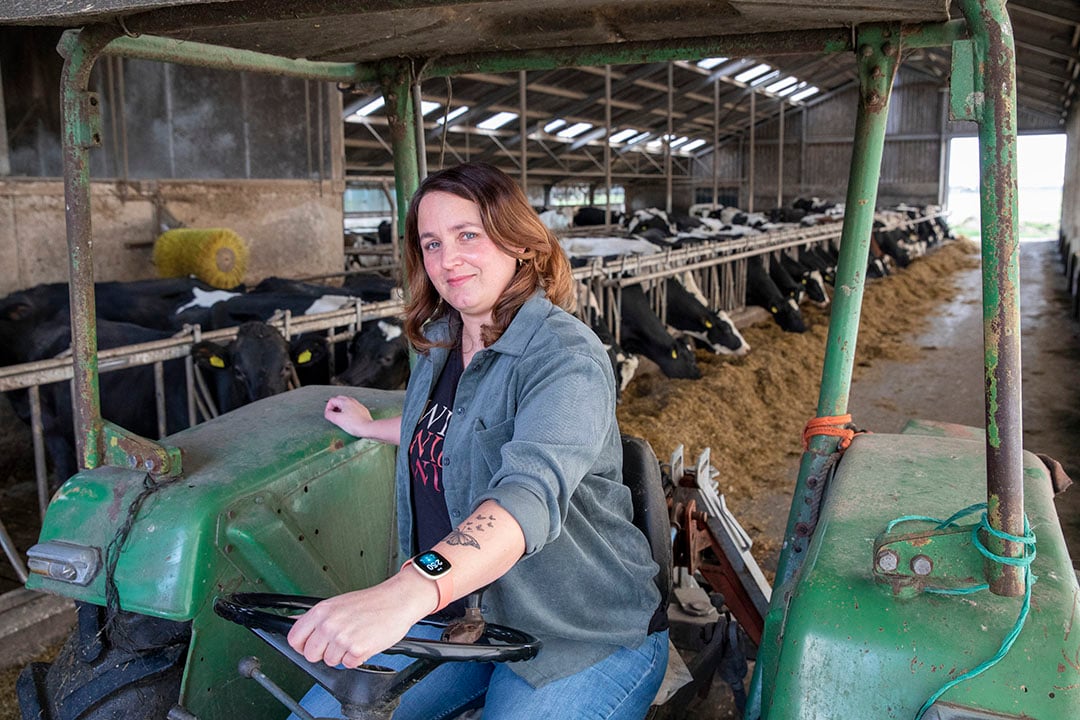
(708,323)
(304,357)
(804,281)
(216,361)
(674,354)
(773,310)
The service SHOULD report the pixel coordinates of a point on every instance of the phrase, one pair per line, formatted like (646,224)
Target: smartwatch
(435,567)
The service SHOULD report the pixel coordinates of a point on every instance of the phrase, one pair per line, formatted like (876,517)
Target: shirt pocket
(489,442)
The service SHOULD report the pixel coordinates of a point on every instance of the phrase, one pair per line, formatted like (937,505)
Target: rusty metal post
(396,79)
(984,90)
(81,131)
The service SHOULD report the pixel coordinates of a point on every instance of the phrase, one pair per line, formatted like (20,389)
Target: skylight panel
(804,94)
(497,120)
(764,78)
(454,114)
(748,75)
(624,134)
(371,107)
(692,145)
(554,125)
(427,106)
(710,63)
(792,89)
(574,130)
(639,138)
(677,142)
(781,84)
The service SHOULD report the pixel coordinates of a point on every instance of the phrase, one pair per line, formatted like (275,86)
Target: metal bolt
(866,51)
(133,461)
(887,560)
(922,565)
(889,49)
(149,463)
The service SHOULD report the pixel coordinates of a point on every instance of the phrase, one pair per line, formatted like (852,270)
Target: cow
(257,364)
(642,332)
(788,285)
(163,304)
(378,356)
(590,216)
(688,312)
(762,291)
(819,259)
(370,288)
(262,306)
(623,363)
(650,219)
(810,279)
(127,395)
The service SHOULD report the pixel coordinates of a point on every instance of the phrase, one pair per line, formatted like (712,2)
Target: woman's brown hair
(512,225)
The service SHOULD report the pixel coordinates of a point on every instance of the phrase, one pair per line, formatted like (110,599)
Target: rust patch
(337,445)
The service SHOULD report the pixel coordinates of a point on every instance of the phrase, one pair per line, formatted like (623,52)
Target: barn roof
(572,100)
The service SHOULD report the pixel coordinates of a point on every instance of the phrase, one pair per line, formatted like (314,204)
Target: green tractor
(923,575)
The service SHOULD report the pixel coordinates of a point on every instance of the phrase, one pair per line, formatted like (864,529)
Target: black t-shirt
(430,517)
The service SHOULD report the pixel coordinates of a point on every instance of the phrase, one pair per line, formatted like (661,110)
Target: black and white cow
(762,291)
(623,364)
(378,356)
(785,283)
(642,332)
(687,311)
(808,277)
(127,395)
(257,364)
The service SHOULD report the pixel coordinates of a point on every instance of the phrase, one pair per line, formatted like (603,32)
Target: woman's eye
(431,246)
(469,235)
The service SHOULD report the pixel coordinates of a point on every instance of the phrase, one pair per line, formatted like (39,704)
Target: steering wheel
(370,690)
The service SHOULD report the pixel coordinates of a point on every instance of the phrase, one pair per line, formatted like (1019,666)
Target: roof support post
(396,80)
(524,124)
(878,55)
(670,131)
(753,151)
(780,160)
(607,145)
(97,442)
(985,91)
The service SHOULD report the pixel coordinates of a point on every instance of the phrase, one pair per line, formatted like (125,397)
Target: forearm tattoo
(469,531)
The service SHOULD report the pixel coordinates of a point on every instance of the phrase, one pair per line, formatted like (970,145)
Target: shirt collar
(524,325)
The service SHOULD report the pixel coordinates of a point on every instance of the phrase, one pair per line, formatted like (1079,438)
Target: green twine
(1027,540)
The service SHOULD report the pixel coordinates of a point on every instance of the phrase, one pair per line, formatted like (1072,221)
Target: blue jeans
(619,687)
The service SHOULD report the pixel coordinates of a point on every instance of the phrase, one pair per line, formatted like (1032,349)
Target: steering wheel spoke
(370,686)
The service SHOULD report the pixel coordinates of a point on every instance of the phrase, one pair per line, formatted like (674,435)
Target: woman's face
(468,270)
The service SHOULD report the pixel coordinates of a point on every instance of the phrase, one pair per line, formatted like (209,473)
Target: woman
(510,471)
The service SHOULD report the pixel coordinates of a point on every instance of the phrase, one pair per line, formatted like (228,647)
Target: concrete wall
(293,227)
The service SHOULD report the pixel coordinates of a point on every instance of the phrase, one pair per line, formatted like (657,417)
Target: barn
(205,201)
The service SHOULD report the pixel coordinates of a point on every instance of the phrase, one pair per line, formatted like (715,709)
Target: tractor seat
(641,473)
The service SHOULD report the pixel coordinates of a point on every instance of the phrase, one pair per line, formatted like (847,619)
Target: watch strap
(444,584)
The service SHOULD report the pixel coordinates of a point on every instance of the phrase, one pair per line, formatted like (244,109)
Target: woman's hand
(349,414)
(349,629)
(353,417)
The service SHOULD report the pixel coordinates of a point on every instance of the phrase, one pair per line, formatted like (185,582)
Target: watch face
(432,563)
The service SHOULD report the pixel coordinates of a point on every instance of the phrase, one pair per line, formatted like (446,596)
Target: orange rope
(836,426)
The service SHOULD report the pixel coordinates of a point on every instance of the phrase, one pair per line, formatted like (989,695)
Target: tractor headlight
(64,561)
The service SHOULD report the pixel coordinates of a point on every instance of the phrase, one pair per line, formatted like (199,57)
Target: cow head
(259,361)
(788,316)
(378,357)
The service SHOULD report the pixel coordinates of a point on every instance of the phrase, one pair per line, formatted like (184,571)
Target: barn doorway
(1040,175)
